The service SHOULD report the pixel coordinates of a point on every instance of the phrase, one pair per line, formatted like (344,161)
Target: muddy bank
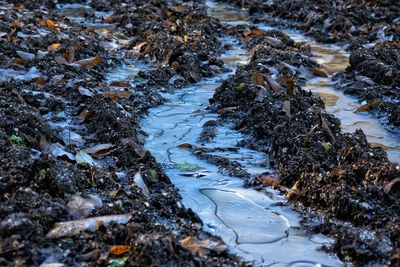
(348,189)
(71,145)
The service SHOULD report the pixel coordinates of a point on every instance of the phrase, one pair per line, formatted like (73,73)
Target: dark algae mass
(336,175)
(71,143)
(83,181)
(347,188)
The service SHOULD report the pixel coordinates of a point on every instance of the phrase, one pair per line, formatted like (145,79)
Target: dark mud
(370,28)
(71,145)
(346,188)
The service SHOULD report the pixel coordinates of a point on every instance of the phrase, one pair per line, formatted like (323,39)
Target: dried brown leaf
(185,145)
(50,24)
(254,32)
(290,87)
(202,247)
(60,60)
(120,84)
(268,180)
(19,61)
(257,78)
(99,150)
(318,72)
(41,81)
(88,62)
(369,106)
(84,115)
(115,95)
(393,185)
(117,250)
(286,108)
(109,19)
(324,125)
(227,109)
(69,55)
(16,23)
(54,47)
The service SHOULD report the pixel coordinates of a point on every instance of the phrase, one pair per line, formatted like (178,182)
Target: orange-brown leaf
(54,47)
(318,72)
(257,78)
(19,61)
(16,23)
(109,19)
(202,247)
(115,95)
(89,62)
(254,32)
(369,106)
(84,115)
(120,84)
(119,250)
(185,145)
(268,180)
(290,87)
(41,81)
(69,55)
(99,150)
(49,24)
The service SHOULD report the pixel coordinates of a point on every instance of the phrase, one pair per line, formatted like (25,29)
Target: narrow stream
(256,226)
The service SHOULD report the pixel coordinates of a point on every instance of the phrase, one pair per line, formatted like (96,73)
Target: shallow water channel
(256,226)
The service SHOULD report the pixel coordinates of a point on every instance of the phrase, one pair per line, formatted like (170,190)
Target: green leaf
(187,167)
(326,146)
(120,262)
(154,176)
(15,139)
(42,172)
